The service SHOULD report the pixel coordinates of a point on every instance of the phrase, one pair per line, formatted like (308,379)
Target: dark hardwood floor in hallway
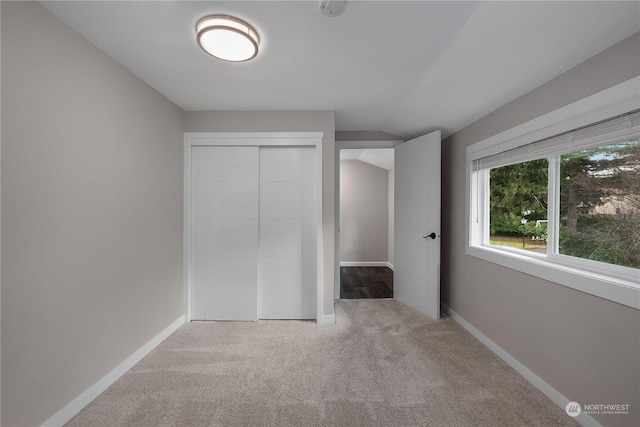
(366,282)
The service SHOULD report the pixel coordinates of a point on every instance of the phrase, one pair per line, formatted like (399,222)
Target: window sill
(617,290)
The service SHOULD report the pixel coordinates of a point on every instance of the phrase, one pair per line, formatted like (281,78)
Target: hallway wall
(364,212)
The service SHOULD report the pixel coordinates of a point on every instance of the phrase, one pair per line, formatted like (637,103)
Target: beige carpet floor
(383,364)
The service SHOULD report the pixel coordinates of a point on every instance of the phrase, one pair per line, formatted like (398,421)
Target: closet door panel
(232,200)
(232,164)
(281,306)
(280,200)
(281,232)
(226,204)
(232,307)
(232,238)
(280,276)
(280,238)
(198,251)
(232,276)
(280,164)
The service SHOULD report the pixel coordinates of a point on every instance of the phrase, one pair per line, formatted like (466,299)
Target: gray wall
(91,214)
(365,135)
(286,121)
(364,212)
(585,347)
(391,198)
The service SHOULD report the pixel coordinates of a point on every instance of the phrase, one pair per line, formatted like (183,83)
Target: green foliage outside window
(599,203)
(516,189)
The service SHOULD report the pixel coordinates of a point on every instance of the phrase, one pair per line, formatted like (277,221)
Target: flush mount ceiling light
(227,38)
(332,8)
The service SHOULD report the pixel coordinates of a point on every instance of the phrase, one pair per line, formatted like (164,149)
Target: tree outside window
(518,205)
(600,204)
(599,211)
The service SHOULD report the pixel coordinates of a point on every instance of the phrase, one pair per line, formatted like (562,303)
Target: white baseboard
(329,319)
(366,264)
(69,411)
(391,266)
(553,394)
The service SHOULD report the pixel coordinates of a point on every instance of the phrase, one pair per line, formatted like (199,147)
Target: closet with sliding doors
(253,208)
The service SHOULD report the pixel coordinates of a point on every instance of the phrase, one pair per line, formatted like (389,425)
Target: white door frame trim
(340,145)
(284,139)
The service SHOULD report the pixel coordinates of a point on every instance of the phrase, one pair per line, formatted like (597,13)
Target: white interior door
(417,224)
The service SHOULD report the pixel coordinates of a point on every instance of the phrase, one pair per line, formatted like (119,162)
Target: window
(599,204)
(565,208)
(518,196)
(597,217)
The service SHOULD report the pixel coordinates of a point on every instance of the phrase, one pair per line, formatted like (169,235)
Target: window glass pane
(600,204)
(518,205)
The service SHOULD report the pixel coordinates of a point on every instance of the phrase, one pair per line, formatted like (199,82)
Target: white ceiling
(380,157)
(401,67)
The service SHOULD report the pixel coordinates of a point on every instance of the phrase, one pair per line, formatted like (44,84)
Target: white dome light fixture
(227,38)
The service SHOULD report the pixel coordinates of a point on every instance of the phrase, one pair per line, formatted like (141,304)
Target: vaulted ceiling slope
(400,67)
(380,157)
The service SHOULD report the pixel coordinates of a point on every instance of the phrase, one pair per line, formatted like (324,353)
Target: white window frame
(615,283)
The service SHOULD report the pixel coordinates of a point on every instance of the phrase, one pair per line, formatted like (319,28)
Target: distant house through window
(600,204)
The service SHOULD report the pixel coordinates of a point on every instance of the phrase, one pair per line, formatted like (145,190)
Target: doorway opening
(416,243)
(366,227)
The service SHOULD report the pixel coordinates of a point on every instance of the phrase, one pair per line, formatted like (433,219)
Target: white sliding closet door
(253,233)
(225,223)
(287,234)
